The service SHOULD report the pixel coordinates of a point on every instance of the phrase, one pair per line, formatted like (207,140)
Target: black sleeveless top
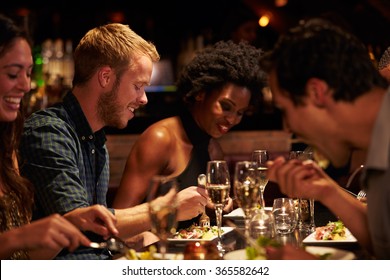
(198,160)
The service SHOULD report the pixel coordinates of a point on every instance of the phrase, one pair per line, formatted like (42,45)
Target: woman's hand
(191,202)
(96,218)
(53,233)
(228,206)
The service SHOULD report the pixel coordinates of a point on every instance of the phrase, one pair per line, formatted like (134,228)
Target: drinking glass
(218,189)
(246,188)
(262,224)
(260,157)
(283,210)
(163,209)
(305,206)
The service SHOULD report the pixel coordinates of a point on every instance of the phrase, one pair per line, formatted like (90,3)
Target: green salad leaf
(260,254)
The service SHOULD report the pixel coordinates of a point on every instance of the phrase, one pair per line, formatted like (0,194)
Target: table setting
(243,233)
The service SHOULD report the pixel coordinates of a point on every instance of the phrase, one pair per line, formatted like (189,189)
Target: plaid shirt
(67,163)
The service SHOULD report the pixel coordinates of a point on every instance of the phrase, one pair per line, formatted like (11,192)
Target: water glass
(305,206)
(285,216)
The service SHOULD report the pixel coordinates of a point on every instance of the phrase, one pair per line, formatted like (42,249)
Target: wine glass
(260,157)
(305,207)
(163,209)
(246,188)
(218,189)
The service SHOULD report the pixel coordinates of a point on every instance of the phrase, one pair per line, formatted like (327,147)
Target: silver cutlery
(204,220)
(361,195)
(350,179)
(114,244)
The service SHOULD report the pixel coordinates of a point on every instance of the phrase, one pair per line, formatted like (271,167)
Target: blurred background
(179,29)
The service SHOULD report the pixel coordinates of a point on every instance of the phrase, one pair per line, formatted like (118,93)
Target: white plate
(312,240)
(238,213)
(235,255)
(335,254)
(224,229)
(168,256)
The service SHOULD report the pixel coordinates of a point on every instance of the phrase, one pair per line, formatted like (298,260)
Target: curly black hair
(384,61)
(215,66)
(320,49)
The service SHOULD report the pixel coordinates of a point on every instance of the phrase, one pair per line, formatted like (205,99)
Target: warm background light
(280,3)
(264,20)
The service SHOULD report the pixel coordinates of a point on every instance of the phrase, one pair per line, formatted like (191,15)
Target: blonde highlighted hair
(113,45)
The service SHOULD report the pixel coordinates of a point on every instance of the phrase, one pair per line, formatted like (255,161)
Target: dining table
(234,241)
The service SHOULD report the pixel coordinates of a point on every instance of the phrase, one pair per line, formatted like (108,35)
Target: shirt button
(90,137)
(93,151)
(83,137)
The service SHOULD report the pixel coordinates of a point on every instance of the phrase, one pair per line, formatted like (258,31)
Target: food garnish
(197,232)
(332,231)
(131,254)
(259,253)
(325,256)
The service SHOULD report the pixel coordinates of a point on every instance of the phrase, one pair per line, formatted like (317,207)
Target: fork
(361,195)
(113,243)
(350,180)
(204,220)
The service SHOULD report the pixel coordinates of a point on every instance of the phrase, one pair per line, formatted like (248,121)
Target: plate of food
(198,233)
(332,233)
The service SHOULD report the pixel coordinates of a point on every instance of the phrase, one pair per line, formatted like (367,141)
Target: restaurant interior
(179,29)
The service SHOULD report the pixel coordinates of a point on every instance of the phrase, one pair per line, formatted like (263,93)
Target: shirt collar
(83,129)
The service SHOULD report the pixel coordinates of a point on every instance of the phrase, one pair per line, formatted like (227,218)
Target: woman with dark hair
(20,239)
(217,87)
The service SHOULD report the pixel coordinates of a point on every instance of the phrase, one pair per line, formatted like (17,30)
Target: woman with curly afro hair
(217,87)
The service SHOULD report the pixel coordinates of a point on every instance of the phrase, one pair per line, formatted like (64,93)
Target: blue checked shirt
(67,163)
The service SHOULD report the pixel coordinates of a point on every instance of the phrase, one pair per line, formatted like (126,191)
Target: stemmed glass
(163,208)
(260,157)
(246,189)
(305,207)
(218,189)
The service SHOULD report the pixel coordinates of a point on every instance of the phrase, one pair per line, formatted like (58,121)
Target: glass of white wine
(246,189)
(163,209)
(260,157)
(218,189)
